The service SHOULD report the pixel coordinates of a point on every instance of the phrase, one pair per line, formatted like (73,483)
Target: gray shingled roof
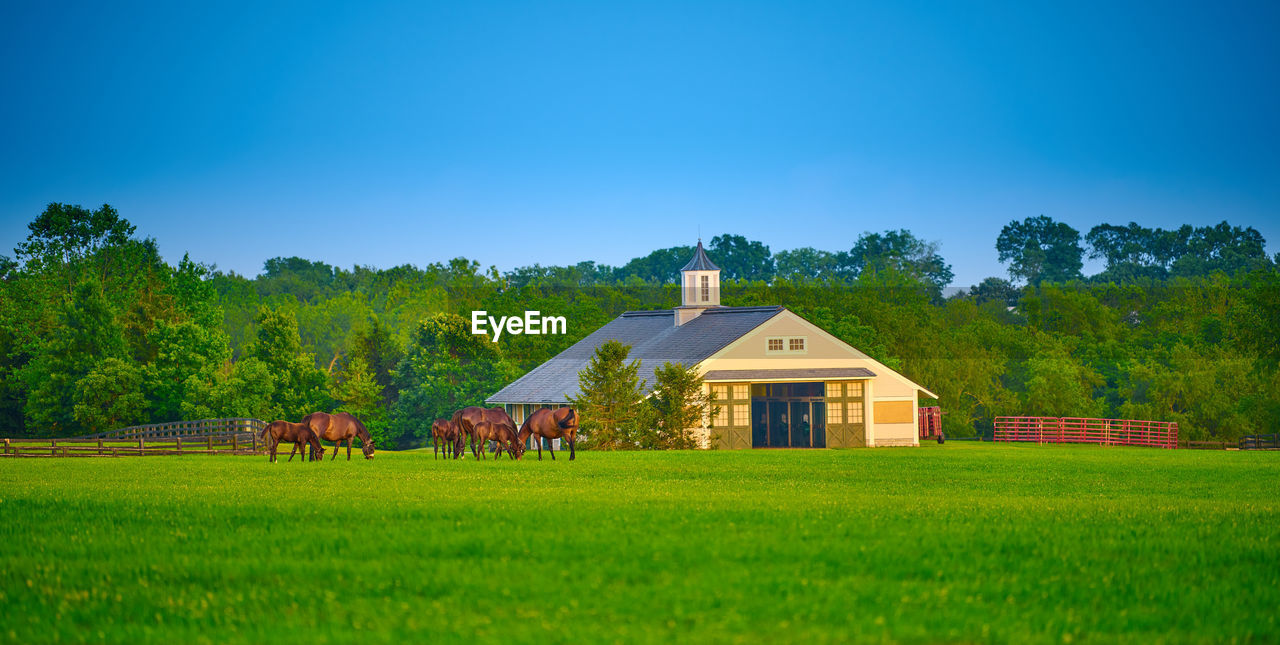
(700,261)
(654,339)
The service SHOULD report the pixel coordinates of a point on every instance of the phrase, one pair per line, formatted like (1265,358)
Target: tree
(995,290)
(1039,249)
(811,263)
(740,258)
(379,351)
(611,399)
(358,393)
(242,389)
(661,266)
(1222,247)
(110,397)
(87,335)
(299,386)
(444,369)
(904,252)
(63,236)
(189,343)
(680,404)
(1058,386)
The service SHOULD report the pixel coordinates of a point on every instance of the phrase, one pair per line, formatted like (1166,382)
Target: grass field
(946,543)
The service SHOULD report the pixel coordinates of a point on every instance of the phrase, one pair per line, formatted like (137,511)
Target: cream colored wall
(898,434)
(753,345)
(824,351)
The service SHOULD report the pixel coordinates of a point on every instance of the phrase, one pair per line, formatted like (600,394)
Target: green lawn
(959,543)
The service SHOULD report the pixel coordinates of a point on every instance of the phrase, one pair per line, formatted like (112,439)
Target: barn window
(855,390)
(797,345)
(855,411)
(740,392)
(742,415)
(706,288)
(835,413)
(775,344)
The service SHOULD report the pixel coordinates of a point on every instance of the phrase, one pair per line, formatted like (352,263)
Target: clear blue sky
(514,133)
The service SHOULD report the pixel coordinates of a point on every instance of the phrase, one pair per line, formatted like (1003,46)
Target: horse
(500,434)
(446,432)
(468,417)
(298,433)
(340,427)
(551,424)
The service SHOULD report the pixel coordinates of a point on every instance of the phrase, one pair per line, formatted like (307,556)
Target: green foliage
(444,369)
(996,290)
(1181,326)
(358,392)
(679,405)
(1039,249)
(299,386)
(110,396)
(242,389)
(610,402)
(88,334)
(905,253)
(740,258)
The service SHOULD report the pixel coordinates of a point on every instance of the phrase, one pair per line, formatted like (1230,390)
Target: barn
(779,380)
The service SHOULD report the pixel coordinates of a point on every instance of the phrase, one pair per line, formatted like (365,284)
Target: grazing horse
(502,435)
(551,424)
(467,419)
(338,428)
(298,433)
(446,432)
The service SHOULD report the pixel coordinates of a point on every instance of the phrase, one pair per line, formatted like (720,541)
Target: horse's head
(317,452)
(367,448)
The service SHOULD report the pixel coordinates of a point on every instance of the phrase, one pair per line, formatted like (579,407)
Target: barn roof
(654,339)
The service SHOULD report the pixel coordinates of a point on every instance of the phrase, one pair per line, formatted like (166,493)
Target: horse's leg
(273,451)
(295,450)
(571,443)
(537,438)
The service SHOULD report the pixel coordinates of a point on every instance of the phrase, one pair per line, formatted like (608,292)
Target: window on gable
(706,288)
(791,345)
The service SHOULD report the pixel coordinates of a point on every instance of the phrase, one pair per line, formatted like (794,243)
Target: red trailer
(930,421)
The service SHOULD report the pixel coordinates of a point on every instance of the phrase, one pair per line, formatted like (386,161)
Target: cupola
(699,286)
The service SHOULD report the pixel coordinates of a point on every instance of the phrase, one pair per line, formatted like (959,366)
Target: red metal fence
(1111,432)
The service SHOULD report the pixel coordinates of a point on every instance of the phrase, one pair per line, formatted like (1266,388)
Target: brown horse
(338,428)
(467,419)
(551,424)
(298,433)
(503,436)
(446,432)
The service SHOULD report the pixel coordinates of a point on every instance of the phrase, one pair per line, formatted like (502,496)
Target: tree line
(98,332)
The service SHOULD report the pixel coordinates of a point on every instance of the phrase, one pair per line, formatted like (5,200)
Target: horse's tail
(569,420)
(266,430)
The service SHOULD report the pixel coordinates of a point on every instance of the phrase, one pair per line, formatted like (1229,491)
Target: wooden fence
(1260,442)
(237,436)
(1111,432)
